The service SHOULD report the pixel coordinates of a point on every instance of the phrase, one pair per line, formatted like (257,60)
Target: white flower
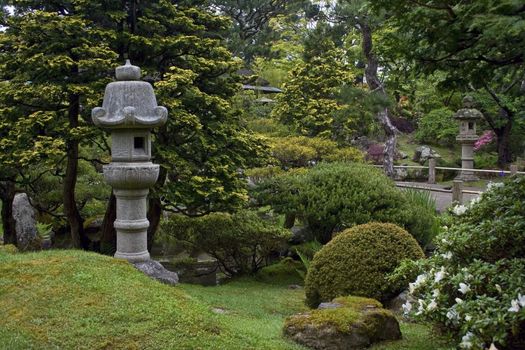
(443,240)
(418,282)
(468,318)
(493,347)
(464,288)
(435,293)
(438,276)
(466,340)
(452,315)
(521,300)
(498,287)
(407,307)
(474,201)
(459,209)
(458,300)
(447,255)
(421,307)
(493,185)
(514,306)
(432,305)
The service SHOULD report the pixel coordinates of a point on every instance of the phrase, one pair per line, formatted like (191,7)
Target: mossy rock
(346,323)
(8,249)
(357,262)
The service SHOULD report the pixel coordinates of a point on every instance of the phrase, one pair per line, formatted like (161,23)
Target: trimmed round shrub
(357,262)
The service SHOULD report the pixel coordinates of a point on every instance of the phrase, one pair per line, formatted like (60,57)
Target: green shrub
(301,151)
(241,242)
(8,249)
(335,196)
(283,272)
(357,262)
(486,160)
(422,215)
(437,126)
(474,285)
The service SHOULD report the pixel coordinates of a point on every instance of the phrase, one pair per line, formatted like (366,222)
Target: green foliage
(8,249)
(306,252)
(44,230)
(467,42)
(309,99)
(241,242)
(302,151)
(331,197)
(486,160)
(474,283)
(437,126)
(422,215)
(283,272)
(357,262)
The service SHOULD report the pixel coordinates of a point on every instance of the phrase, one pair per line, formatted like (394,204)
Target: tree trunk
(75,221)
(7,195)
(155,208)
(377,88)
(289,220)
(503,145)
(108,239)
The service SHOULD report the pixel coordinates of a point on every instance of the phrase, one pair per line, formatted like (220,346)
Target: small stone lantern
(467,117)
(130,111)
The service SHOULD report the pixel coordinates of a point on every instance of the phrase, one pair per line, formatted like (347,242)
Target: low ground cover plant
(241,242)
(474,285)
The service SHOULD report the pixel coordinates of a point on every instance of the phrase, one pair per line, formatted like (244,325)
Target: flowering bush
(485,139)
(474,284)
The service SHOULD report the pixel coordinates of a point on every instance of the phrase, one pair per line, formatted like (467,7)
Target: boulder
(345,323)
(300,234)
(25,223)
(400,174)
(396,305)
(155,270)
(423,153)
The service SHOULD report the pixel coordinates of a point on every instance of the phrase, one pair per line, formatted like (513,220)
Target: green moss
(357,261)
(79,300)
(350,313)
(8,249)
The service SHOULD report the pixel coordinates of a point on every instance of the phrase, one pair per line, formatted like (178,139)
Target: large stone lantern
(467,117)
(130,111)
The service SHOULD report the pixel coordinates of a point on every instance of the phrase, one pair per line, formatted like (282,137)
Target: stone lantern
(467,117)
(130,111)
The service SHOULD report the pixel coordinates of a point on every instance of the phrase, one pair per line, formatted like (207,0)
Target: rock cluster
(345,323)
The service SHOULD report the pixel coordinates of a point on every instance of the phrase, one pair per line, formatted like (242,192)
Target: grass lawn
(78,300)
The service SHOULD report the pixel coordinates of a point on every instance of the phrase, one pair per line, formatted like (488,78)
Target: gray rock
(155,270)
(300,234)
(423,153)
(25,222)
(396,305)
(402,155)
(330,306)
(400,174)
(374,324)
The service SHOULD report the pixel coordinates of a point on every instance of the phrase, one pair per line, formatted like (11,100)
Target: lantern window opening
(139,143)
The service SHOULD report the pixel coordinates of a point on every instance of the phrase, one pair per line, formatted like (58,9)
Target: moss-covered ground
(78,300)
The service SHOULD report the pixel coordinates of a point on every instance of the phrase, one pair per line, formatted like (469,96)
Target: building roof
(267,89)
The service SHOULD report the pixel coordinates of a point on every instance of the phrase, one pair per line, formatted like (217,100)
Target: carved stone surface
(130,110)
(467,118)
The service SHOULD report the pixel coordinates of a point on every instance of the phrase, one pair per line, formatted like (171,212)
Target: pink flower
(485,139)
